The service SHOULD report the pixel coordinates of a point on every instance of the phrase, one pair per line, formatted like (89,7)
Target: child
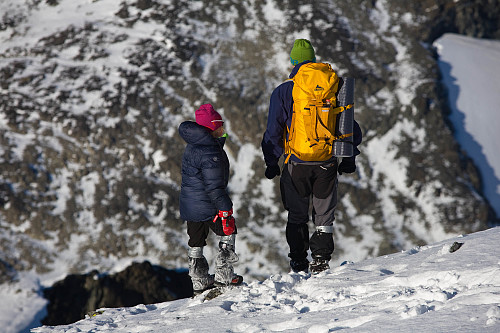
(204,201)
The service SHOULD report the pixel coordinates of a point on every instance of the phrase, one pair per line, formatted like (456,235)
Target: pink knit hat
(208,117)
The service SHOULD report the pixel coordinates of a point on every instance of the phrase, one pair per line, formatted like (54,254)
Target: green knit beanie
(302,50)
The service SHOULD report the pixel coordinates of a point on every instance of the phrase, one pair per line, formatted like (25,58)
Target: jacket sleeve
(280,107)
(212,170)
(357,137)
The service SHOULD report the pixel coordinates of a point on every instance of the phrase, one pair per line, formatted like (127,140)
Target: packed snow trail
(427,288)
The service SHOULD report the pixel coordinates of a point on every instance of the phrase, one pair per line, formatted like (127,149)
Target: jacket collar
(297,67)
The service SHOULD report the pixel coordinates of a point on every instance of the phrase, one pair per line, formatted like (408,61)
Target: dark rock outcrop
(140,283)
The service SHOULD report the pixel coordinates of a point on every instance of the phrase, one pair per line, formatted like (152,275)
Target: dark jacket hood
(196,134)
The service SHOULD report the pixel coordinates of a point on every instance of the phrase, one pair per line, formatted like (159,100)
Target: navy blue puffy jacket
(205,174)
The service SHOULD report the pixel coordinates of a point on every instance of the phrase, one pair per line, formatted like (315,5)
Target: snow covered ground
(471,72)
(429,289)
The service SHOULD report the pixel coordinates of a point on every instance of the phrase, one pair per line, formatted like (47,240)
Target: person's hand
(348,165)
(228,221)
(272,171)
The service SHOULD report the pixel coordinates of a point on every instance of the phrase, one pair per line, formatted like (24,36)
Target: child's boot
(224,272)
(198,270)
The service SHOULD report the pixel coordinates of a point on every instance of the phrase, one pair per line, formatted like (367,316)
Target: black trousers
(198,231)
(298,184)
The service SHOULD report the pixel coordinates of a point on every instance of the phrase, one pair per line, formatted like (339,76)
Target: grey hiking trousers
(298,184)
(301,182)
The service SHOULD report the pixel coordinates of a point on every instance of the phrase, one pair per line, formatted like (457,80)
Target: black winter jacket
(205,174)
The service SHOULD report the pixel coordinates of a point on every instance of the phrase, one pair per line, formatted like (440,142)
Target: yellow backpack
(312,131)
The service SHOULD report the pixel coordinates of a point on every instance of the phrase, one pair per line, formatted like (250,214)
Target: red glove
(228,222)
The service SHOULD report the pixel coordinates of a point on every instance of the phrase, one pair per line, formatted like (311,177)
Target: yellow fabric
(314,116)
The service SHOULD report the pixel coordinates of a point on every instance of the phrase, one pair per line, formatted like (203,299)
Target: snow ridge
(436,288)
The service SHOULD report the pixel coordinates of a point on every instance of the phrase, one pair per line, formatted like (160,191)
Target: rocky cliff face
(91,95)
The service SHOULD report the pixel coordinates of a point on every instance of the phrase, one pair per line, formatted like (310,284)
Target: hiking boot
(318,265)
(299,265)
(235,281)
(224,271)
(198,271)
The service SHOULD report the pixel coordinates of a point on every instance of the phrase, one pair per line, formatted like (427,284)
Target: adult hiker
(310,169)
(204,200)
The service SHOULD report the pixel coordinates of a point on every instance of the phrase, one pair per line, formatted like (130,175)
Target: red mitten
(228,222)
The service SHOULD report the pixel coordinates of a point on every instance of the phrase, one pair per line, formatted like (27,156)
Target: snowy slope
(428,289)
(471,72)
